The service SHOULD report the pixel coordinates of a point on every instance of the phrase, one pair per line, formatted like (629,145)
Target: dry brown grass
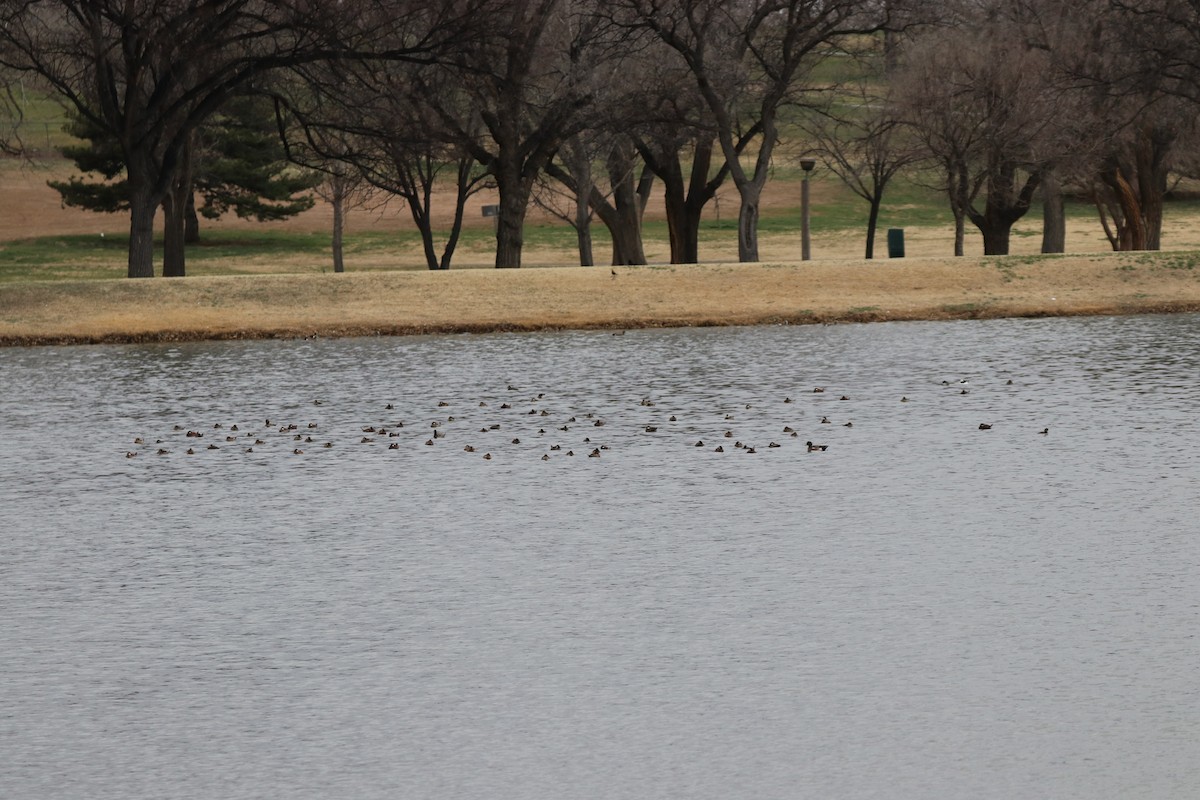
(401,297)
(483,300)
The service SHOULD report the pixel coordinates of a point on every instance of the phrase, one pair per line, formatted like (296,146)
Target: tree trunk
(418,193)
(995,237)
(683,219)
(673,203)
(583,234)
(339,223)
(1127,215)
(583,221)
(174,212)
(873,222)
(623,215)
(959,191)
(684,205)
(1152,151)
(191,221)
(175,216)
(142,208)
(1152,188)
(425,227)
(627,246)
(462,192)
(687,221)
(1054,217)
(750,195)
(510,223)
(627,228)
(1008,199)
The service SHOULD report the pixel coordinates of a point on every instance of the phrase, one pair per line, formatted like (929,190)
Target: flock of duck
(533,423)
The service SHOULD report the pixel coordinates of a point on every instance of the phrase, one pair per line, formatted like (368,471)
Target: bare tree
(861,136)
(1054,213)
(149,72)
(370,117)
(1131,181)
(979,98)
(568,197)
(684,160)
(1139,63)
(342,189)
(622,206)
(748,59)
(530,84)
(666,117)
(678,146)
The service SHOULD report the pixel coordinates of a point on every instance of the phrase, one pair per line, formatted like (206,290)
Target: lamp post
(807,165)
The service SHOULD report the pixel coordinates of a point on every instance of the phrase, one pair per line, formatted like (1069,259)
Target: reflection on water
(926,609)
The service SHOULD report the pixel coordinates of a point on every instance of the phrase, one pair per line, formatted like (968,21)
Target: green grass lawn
(40,126)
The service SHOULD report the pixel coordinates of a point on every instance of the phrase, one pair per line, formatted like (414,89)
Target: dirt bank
(415,302)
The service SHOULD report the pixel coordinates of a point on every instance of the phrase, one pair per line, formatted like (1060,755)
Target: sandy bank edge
(478,301)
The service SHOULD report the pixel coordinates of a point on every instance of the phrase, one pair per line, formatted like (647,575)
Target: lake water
(924,610)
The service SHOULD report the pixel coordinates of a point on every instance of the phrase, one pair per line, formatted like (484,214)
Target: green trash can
(895,242)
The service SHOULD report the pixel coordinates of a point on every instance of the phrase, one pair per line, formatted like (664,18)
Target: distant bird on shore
(614,274)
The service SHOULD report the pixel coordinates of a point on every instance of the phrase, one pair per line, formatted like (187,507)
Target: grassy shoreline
(422,302)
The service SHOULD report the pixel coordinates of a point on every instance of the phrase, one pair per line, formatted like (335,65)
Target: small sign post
(493,211)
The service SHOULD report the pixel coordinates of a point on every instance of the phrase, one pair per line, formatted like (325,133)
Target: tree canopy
(1009,97)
